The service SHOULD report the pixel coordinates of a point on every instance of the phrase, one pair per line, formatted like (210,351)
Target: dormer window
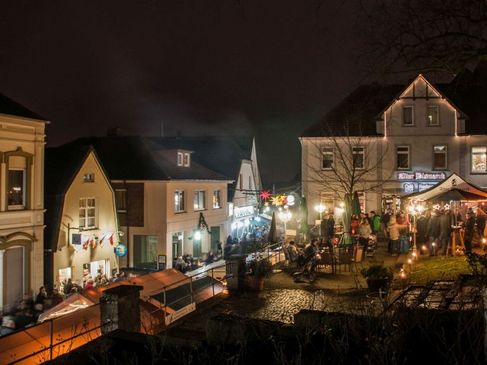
(184,159)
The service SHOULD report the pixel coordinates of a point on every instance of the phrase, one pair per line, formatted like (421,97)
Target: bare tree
(419,35)
(344,160)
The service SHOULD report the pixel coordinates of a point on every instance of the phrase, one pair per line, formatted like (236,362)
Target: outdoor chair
(327,260)
(345,257)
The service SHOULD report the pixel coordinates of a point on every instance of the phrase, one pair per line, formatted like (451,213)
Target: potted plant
(378,277)
(258,270)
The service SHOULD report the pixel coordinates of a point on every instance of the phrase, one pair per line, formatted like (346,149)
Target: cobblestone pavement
(282,298)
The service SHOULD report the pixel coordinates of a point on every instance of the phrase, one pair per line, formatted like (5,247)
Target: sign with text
(419,176)
(240,212)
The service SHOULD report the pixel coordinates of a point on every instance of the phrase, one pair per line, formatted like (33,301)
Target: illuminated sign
(120,250)
(417,175)
(240,212)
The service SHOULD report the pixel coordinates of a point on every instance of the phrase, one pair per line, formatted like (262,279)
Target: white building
(22,136)
(82,229)
(407,137)
(162,195)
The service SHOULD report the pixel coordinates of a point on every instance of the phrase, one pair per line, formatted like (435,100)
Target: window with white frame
(89,177)
(87,213)
(402,157)
(440,157)
(358,157)
(433,115)
(180,159)
(407,115)
(328,158)
(186,159)
(199,200)
(179,201)
(479,159)
(216,199)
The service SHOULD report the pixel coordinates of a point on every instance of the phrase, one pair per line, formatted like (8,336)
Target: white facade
(420,143)
(88,232)
(21,208)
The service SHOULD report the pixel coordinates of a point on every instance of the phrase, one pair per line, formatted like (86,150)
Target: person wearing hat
(469,231)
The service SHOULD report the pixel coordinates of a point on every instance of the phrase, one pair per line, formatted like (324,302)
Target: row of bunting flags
(92,241)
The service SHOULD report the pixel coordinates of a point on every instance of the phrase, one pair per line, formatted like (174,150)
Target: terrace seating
(326,260)
(345,257)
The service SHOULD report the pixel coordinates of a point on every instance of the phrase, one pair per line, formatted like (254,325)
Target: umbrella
(456,195)
(346,219)
(304,217)
(272,236)
(355,204)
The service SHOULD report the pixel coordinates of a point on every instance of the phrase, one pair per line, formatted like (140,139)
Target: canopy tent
(71,304)
(456,195)
(458,187)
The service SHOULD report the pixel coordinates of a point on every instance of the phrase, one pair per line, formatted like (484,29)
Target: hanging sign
(120,250)
(240,212)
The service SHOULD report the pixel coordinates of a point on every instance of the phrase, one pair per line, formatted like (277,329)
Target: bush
(377,272)
(259,268)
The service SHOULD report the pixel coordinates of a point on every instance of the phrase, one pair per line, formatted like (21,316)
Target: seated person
(292,252)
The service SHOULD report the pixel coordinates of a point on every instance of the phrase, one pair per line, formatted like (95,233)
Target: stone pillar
(119,309)
(235,272)
(2,265)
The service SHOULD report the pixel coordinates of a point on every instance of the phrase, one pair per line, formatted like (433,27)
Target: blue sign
(120,250)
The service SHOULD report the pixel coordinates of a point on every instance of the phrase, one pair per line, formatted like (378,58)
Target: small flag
(111,239)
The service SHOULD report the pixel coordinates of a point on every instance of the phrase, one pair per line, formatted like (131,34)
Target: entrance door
(14,275)
(145,252)
(177,245)
(215,238)
(197,246)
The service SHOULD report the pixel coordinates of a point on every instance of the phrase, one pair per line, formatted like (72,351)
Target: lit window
(328,158)
(180,159)
(121,200)
(179,201)
(186,159)
(216,199)
(16,189)
(358,157)
(402,157)
(199,200)
(87,213)
(89,178)
(479,159)
(439,157)
(407,115)
(433,115)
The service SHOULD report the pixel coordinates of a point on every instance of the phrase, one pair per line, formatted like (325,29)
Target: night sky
(269,68)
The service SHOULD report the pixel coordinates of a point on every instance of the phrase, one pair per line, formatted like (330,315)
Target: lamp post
(285,216)
(320,208)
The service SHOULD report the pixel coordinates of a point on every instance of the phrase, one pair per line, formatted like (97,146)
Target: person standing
(469,231)
(375,222)
(364,232)
(433,231)
(445,222)
(384,222)
(394,235)
(480,220)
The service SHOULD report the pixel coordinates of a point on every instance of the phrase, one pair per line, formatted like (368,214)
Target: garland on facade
(202,223)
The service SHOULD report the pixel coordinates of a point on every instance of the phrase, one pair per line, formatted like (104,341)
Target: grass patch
(429,269)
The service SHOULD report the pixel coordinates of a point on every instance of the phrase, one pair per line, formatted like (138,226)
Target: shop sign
(425,186)
(121,250)
(409,187)
(241,212)
(417,175)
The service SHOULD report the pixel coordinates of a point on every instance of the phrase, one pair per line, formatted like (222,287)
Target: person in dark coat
(480,220)
(445,220)
(433,231)
(469,231)
(422,228)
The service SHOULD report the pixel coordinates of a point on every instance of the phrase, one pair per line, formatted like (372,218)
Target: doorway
(177,245)
(215,238)
(14,275)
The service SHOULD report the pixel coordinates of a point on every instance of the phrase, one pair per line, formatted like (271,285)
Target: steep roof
(10,107)
(357,113)
(359,110)
(141,158)
(60,168)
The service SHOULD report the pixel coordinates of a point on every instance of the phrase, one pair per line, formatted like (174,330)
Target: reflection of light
(342,204)
(423,247)
(180,237)
(257,219)
(267,209)
(290,200)
(339,211)
(246,222)
(197,235)
(239,224)
(484,240)
(320,208)
(410,261)
(234,225)
(285,216)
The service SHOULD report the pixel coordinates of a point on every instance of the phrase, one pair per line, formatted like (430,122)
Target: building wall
(69,255)
(22,228)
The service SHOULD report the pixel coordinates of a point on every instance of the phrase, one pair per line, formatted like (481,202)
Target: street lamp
(415,209)
(320,208)
(285,216)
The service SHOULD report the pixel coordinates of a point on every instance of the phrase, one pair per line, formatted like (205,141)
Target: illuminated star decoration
(266,194)
(279,200)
